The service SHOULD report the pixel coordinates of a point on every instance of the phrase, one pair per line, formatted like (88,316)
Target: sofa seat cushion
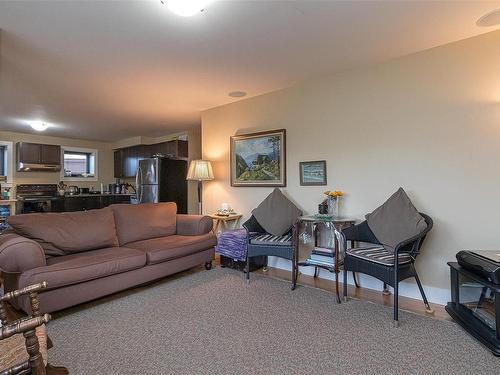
(166,248)
(68,232)
(78,268)
(137,222)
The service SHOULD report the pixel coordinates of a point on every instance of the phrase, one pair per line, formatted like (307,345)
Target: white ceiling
(111,70)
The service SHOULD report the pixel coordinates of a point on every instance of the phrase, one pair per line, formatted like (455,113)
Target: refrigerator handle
(138,184)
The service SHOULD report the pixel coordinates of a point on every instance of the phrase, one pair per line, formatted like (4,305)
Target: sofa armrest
(193,225)
(19,254)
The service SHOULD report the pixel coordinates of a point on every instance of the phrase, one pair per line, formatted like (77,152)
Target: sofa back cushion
(136,222)
(68,232)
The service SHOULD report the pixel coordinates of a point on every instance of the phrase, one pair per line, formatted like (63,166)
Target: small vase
(333,206)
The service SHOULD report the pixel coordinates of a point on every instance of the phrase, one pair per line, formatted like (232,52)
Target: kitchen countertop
(95,195)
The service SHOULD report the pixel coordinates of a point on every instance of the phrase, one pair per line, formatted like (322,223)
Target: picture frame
(259,159)
(313,173)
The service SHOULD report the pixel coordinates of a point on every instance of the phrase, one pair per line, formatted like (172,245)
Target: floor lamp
(200,170)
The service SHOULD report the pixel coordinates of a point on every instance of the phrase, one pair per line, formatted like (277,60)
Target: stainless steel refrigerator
(162,180)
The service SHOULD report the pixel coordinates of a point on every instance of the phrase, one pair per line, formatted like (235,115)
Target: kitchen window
(79,164)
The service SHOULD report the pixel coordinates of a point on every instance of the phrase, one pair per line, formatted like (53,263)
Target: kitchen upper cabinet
(130,161)
(29,153)
(51,154)
(127,159)
(179,148)
(118,164)
(38,156)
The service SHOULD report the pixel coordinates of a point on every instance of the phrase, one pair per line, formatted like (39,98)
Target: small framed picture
(312,173)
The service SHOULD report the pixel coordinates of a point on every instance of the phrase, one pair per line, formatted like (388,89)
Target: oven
(29,206)
(38,198)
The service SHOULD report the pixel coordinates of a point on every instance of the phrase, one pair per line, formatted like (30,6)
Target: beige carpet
(211,322)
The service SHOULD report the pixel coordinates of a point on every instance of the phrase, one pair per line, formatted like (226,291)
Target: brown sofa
(87,255)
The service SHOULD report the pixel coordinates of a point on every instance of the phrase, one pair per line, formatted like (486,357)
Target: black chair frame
(389,275)
(253,229)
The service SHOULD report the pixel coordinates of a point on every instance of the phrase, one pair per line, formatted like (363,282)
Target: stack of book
(322,257)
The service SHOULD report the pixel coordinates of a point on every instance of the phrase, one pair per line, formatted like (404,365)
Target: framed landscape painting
(259,159)
(312,173)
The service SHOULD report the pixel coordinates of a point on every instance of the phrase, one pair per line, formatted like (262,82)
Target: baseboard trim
(408,288)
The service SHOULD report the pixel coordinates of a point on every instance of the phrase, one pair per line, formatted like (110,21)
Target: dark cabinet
(74,204)
(118,164)
(130,161)
(37,155)
(51,154)
(29,153)
(86,203)
(126,159)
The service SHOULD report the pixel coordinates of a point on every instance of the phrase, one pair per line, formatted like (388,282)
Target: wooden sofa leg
(208,265)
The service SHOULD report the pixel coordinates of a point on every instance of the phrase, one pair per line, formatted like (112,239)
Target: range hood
(28,167)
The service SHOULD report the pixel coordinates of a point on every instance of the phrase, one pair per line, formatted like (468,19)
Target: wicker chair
(26,326)
(259,245)
(377,262)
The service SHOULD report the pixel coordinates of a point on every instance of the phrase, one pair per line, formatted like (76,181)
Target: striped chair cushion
(269,239)
(378,254)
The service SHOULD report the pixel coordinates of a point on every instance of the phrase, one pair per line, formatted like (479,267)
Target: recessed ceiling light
(39,126)
(489,19)
(186,8)
(237,94)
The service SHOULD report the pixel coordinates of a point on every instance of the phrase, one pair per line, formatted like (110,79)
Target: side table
(233,219)
(330,259)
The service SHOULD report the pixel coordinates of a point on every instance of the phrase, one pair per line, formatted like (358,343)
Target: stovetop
(39,191)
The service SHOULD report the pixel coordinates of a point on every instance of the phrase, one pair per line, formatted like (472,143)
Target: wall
(429,122)
(194,152)
(105,152)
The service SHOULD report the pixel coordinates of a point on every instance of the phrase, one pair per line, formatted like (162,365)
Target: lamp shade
(200,170)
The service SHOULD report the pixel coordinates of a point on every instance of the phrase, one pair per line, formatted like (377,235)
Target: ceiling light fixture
(39,126)
(186,8)
(489,19)
(237,94)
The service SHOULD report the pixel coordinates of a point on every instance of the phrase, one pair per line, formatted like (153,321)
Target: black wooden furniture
(375,261)
(475,305)
(261,243)
(27,326)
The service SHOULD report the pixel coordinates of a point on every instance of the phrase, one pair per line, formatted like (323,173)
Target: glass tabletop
(324,218)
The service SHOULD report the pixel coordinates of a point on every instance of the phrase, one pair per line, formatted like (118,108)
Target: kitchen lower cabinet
(76,203)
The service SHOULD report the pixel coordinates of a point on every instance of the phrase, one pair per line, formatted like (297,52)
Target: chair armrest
(23,325)
(193,225)
(19,254)
(417,239)
(35,288)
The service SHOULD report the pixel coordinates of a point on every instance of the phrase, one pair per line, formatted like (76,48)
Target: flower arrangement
(332,202)
(334,193)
